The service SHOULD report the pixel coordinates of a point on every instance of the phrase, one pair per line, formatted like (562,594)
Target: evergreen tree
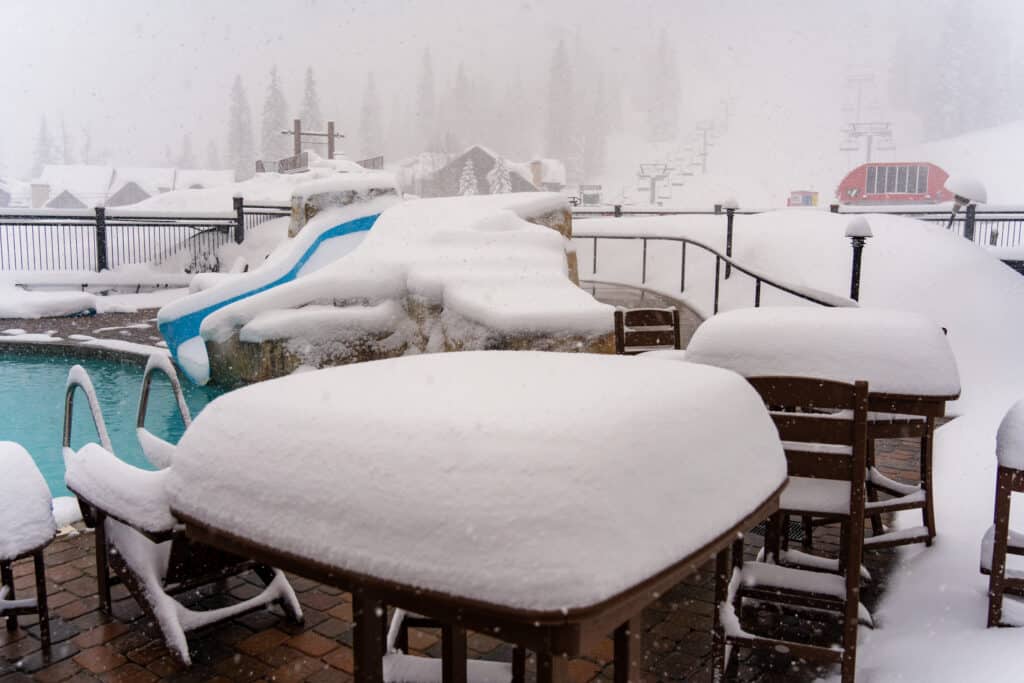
(370,137)
(310,115)
(240,153)
(425,104)
(187,159)
(665,93)
(273,145)
(213,156)
(558,134)
(44,149)
(465,117)
(66,145)
(467,181)
(498,179)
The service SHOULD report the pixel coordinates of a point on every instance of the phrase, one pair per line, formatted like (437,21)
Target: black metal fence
(98,239)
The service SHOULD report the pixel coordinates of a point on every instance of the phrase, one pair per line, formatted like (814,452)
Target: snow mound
(487,475)
(1010,438)
(26,517)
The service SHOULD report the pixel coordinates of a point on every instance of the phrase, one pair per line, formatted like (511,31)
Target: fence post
(239,220)
(718,208)
(969,222)
(729,214)
(101,239)
(618,210)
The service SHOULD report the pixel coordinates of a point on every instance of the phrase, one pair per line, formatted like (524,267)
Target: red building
(900,182)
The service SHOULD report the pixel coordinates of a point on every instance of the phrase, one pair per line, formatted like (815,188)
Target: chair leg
(41,606)
(453,654)
(854,542)
(926,479)
(723,574)
(996,579)
(102,563)
(876,519)
(772,533)
(808,532)
(628,651)
(7,579)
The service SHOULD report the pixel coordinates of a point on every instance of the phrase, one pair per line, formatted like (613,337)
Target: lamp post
(858,231)
(730,205)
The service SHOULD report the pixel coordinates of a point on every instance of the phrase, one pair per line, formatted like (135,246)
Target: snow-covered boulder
(460,273)
(315,196)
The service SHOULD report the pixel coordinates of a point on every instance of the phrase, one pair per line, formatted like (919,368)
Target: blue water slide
(184,328)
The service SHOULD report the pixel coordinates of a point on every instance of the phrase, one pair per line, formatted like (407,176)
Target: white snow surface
(967,187)
(507,477)
(26,517)
(895,352)
(1010,438)
(16,302)
(475,256)
(128,493)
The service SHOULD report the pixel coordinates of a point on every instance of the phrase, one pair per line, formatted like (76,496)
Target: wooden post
(330,139)
(453,654)
(101,239)
(628,651)
(297,137)
(367,638)
(239,219)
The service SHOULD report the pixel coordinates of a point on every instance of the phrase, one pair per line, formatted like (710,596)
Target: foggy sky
(141,74)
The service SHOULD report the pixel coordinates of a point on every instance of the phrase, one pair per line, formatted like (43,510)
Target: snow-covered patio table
(546,498)
(905,358)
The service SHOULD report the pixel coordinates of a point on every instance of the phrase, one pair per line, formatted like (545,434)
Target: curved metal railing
(78,378)
(157,363)
(720,258)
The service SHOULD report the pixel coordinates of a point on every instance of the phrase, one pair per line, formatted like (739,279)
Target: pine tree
(465,116)
(595,126)
(44,149)
(66,145)
(213,156)
(370,138)
(240,154)
(665,93)
(467,181)
(187,159)
(312,119)
(425,104)
(498,179)
(558,132)
(273,145)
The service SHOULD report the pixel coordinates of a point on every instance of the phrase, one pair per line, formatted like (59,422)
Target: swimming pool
(32,408)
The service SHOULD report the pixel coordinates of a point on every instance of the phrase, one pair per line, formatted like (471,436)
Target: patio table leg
(453,654)
(926,478)
(367,638)
(723,573)
(628,652)
(552,668)
(41,606)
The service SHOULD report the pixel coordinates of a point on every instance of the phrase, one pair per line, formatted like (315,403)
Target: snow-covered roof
(190,178)
(469,474)
(896,352)
(26,518)
(151,180)
(88,182)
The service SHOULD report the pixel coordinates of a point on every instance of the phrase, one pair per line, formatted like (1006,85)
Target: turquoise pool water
(32,408)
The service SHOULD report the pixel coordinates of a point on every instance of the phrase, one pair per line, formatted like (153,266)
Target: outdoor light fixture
(967,192)
(858,230)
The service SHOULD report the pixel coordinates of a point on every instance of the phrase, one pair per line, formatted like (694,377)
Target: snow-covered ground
(931,623)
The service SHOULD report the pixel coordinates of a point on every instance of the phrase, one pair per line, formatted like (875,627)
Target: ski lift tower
(654,174)
(877,134)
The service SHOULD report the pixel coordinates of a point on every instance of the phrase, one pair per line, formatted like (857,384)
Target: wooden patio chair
(145,546)
(826,455)
(646,329)
(26,528)
(1000,541)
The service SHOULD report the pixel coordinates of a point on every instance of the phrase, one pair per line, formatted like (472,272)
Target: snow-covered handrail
(79,378)
(159,362)
(820,298)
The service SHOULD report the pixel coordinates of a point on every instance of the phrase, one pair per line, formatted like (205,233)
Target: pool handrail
(78,378)
(162,364)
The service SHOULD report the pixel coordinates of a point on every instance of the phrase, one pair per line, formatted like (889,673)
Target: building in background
(897,182)
(78,186)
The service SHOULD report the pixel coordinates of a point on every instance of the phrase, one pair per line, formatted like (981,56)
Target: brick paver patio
(90,646)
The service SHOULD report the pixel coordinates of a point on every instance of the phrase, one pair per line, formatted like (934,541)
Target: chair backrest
(822,424)
(644,329)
